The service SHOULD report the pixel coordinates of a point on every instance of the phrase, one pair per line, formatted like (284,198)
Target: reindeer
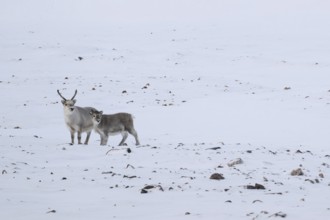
(120,123)
(77,118)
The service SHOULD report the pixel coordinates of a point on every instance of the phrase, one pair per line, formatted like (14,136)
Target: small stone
(235,162)
(279,214)
(297,172)
(217,176)
(149,187)
(256,186)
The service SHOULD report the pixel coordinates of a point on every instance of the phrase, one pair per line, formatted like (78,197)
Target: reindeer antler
(74,95)
(58,91)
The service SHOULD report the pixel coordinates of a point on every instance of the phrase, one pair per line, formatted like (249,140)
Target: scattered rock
(297,172)
(321,175)
(149,187)
(146,86)
(287,88)
(4,172)
(278,214)
(187,213)
(129,165)
(216,176)
(214,148)
(272,152)
(311,181)
(256,186)
(235,162)
(51,211)
(129,177)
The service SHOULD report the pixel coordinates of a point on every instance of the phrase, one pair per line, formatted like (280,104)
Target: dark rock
(129,177)
(256,186)
(214,148)
(143,191)
(297,172)
(308,180)
(279,214)
(216,176)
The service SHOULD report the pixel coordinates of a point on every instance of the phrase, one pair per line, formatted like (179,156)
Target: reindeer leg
(72,137)
(87,137)
(79,137)
(133,132)
(104,140)
(124,134)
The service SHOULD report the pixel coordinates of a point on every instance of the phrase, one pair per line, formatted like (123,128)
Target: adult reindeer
(77,118)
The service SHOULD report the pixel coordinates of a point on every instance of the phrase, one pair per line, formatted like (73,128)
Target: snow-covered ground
(207,81)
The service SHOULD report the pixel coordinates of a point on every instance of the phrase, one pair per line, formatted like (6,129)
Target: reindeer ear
(63,101)
(91,112)
(101,112)
(74,101)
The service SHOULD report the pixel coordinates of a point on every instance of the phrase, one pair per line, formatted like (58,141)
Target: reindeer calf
(120,123)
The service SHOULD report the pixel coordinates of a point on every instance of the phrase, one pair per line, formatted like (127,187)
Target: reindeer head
(96,115)
(68,103)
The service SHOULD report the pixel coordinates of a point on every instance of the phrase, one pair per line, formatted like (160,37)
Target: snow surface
(207,81)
